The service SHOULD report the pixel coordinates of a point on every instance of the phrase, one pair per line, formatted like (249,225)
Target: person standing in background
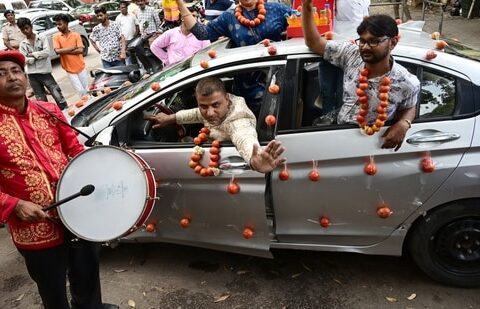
(133,8)
(351,10)
(148,19)
(128,26)
(69,46)
(176,44)
(110,39)
(39,67)
(12,36)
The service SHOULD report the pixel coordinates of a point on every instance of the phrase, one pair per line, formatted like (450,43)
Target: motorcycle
(143,62)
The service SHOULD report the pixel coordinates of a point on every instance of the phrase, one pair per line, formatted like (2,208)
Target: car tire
(85,46)
(445,244)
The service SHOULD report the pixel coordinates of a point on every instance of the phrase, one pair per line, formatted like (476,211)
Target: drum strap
(62,121)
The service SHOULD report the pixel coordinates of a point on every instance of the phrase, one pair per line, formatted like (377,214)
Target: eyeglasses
(372,43)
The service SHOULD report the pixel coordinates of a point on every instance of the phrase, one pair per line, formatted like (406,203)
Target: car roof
(32,13)
(413,44)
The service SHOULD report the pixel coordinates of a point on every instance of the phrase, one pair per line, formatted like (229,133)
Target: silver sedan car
(339,191)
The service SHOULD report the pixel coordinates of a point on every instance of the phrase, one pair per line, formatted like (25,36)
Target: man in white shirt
(351,10)
(128,26)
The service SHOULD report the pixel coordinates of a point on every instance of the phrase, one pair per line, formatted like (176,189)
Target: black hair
(62,17)
(22,22)
(126,3)
(208,85)
(100,10)
(8,12)
(379,25)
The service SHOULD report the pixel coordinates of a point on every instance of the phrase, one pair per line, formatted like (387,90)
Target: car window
(18,5)
(40,24)
(140,131)
(110,6)
(438,95)
(41,4)
(59,6)
(73,3)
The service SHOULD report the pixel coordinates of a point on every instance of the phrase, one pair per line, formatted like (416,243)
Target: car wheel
(445,244)
(85,47)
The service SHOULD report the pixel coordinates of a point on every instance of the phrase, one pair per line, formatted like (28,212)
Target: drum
(123,198)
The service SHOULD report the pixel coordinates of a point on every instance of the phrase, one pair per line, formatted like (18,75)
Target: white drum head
(116,203)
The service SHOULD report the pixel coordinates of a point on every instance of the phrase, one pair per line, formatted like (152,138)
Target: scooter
(143,62)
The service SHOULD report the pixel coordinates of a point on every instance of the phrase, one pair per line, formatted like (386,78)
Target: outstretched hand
(266,159)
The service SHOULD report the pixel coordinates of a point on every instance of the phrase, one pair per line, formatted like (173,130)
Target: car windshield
(103,106)
(457,48)
(82,9)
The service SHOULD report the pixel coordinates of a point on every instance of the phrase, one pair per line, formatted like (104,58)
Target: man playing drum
(34,149)
(228,118)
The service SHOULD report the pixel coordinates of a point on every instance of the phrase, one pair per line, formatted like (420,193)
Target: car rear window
(18,5)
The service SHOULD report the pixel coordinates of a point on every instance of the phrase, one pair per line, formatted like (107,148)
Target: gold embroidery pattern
(39,233)
(33,180)
(15,150)
(8,174)
(48,140)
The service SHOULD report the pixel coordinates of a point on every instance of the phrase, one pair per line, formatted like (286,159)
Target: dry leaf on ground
(119,270)
(306,267)
(412,296)
(391,299)
(19,298)
(296,275)
(222,298)
(131,303)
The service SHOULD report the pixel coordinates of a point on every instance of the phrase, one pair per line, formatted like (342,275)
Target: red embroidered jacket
(34,149)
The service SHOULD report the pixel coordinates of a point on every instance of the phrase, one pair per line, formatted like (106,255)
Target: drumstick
(86,190)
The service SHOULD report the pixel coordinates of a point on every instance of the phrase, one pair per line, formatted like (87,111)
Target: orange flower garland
(382,115)
(212,169)
(262,12)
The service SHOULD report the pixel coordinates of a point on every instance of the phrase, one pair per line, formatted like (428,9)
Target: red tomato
(266,42)
(324,222)
(150,227)
(198,168)
(233,188)
(364,72)
(270,120)
(214,157)
(197,140)
(274,89)
(205,130)
(247,233)
(192,164)
(212,53)
(370,169)
(314,175)
(214,150)
(284,175)
(196,157)
(185,222)
(430,55)
(272,50)
(155,86)
(117,105)
(204,172)
(216,143)
(440,44)
(203,136)
(427,165)
(204,64)
(384,212)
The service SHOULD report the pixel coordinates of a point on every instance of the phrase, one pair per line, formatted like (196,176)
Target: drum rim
(136,222)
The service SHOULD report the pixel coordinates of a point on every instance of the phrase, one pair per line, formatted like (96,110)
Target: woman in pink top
(176,45)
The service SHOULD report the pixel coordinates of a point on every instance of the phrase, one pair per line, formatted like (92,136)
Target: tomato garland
(262,12)
(212,169)
(382,115)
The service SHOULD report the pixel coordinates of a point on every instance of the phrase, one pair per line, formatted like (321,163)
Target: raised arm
(313,39)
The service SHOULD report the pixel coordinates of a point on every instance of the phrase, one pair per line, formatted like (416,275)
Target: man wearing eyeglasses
(372,51)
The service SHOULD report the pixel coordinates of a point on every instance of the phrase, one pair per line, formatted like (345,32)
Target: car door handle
(432,136)
(233,164)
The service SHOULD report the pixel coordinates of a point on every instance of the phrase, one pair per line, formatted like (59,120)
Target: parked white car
(43,24)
